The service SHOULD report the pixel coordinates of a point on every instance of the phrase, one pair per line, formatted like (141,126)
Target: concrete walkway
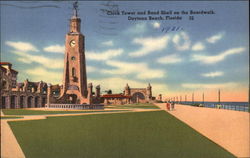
(2,114)
(227,128)
(9,145)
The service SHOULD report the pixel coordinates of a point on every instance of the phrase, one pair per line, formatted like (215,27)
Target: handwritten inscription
(166,29)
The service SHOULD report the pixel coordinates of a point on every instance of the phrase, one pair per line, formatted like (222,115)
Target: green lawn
(39,112)
(131,106)
(127,135)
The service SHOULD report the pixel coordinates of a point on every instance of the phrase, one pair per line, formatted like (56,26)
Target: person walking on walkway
(168,106)
(172,106)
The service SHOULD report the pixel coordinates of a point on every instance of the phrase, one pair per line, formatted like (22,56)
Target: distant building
(20,95)
(9,75)
(159,98)
(117,99)
(130,95)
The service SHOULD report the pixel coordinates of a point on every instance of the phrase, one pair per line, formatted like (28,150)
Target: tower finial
(75,6)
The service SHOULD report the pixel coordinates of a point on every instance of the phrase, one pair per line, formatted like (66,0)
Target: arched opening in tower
(73,72)
(72,98)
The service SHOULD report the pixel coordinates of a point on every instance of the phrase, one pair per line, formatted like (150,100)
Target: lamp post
(203,98)
(193,98)
(219,96)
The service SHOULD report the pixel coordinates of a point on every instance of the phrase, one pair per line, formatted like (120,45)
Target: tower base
(69,99)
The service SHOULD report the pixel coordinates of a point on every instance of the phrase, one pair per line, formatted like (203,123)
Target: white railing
(76,106)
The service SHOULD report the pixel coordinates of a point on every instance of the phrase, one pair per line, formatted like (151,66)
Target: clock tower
(74,77)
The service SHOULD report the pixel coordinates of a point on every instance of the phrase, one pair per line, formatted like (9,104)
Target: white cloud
(24,60)
(215,38)
(181,41)
(22,46)
(45,61)
(213,74)
(117,84)
(149,45)
(150,74)
(138,28)
(169,59)
(209,86)
(198,46)
(91,69)
(108,43)
(40,73)
(105,55)
(22,50)
(156,25)
(55,49)
(141,70)
(216,58)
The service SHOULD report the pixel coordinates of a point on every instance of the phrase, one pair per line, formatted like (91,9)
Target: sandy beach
(227,128)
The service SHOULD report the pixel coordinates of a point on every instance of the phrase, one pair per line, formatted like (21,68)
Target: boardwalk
(229,129)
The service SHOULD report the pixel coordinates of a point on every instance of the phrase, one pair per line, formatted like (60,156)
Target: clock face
(72,43)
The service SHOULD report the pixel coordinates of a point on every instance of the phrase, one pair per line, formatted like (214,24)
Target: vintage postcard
(124,79)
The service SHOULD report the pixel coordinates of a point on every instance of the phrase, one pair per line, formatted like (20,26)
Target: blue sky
(205,54)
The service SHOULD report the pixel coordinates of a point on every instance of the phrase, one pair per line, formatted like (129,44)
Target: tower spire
(75,11)
(75,21)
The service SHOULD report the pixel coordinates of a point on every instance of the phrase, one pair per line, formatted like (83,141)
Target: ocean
(237,106)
